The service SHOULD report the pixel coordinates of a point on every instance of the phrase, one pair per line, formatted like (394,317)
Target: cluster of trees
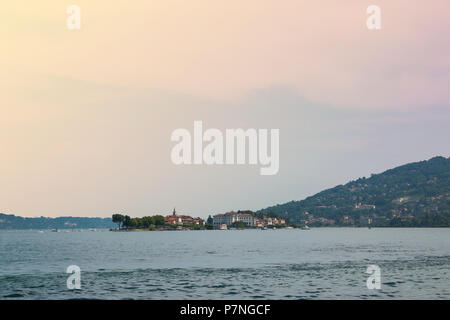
(268,214)
(429,220)
(209,223)
(239,225)
(264,214)
(124,221)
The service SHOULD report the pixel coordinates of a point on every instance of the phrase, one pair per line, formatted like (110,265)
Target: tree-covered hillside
(415,194)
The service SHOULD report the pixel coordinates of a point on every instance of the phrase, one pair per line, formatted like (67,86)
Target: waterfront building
(175,219)
(226,218)
(231,217)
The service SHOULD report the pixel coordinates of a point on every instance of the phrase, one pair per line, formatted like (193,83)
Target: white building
(248,219)
(227,218)
(230,217)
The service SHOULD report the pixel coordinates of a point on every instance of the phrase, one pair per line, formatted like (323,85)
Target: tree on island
(239,225)
(144,222)
(126,221)
(158,220)
(209,223)
(118,218)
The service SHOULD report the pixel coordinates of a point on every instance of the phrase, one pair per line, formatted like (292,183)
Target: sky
(86,115)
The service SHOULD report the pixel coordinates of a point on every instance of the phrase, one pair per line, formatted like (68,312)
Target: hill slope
(415,194)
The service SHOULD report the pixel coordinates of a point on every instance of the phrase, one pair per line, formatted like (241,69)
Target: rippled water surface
(323,263)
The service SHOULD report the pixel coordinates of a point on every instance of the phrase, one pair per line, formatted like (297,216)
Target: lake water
(322,263)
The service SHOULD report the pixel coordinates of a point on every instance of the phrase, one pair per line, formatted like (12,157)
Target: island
(229,220)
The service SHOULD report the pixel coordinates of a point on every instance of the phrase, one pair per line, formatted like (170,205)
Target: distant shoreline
(231,229)
(146,230)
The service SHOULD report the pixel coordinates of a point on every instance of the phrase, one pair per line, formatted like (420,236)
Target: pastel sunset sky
(86,115)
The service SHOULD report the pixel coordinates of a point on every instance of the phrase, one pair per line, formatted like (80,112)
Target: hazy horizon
(86,115)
